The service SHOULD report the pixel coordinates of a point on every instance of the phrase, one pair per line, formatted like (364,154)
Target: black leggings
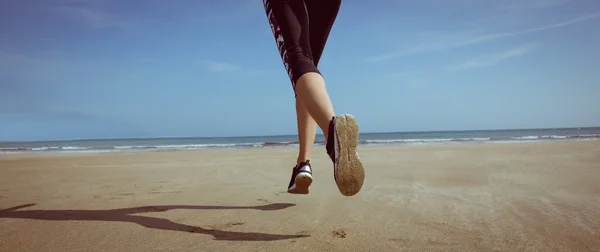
(301,29)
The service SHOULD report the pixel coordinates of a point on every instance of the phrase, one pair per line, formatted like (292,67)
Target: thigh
(290,26)
(321,15)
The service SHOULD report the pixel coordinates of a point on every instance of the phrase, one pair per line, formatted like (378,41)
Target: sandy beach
(464,197)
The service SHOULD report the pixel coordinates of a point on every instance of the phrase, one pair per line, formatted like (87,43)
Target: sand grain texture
(468,197)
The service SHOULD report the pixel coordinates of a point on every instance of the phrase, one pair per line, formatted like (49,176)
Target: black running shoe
(301,178)
(348,170)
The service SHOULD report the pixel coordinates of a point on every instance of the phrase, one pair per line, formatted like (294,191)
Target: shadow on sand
(126,215)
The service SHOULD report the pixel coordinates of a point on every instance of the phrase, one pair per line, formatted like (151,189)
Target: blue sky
(115,68)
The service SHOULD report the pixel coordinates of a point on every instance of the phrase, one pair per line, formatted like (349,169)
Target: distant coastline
(318,135)
(388,138)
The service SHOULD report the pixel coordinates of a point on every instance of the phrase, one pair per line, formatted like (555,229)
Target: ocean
(393,138)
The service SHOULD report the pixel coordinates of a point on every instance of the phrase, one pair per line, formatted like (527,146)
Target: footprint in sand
(340,233)
(125,194)
(230,224)
(263,200)
(225,226)
(400,240)
(303,232)
(164,192)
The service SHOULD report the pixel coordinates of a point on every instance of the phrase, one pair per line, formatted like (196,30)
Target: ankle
(302,160)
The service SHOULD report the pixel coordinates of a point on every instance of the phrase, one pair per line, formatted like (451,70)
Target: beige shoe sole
(302,183)
(350,174)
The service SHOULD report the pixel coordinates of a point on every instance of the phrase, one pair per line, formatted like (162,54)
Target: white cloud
(90,13)
(23,66)
(534,4)
(493,59)
(219,67)
(494,36)
(446,41)
(224,68)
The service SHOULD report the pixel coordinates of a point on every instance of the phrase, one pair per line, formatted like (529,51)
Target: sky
(73,69)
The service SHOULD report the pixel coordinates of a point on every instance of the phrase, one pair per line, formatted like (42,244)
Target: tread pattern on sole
(350,171)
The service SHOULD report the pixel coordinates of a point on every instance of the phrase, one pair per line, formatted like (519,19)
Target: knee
(300,68)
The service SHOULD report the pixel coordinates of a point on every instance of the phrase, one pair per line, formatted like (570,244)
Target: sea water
(391,138)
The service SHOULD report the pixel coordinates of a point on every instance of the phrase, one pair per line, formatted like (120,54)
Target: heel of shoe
(302,182)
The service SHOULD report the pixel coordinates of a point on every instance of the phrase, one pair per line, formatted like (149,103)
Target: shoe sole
(350,174)
(303,182)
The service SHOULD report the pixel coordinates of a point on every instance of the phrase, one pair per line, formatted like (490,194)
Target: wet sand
(467,197)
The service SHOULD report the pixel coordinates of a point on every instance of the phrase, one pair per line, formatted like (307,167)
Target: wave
(173,147)
(481,139)
(125,148)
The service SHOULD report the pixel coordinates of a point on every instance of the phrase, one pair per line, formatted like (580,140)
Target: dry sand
(469,197)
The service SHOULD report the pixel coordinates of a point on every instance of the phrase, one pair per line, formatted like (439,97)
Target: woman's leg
(321,16)
(307,130)
(313,95)
(290,25)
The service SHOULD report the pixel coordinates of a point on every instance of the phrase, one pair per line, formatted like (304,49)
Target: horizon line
(318,134)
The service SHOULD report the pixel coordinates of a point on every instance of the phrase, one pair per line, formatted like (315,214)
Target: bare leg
(307,130)
(322,14)
(341,146)
(300,46)
(312,93)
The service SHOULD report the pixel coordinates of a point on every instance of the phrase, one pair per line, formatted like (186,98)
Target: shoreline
(365,139)
(286,146)
(317,150)
(318,134)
